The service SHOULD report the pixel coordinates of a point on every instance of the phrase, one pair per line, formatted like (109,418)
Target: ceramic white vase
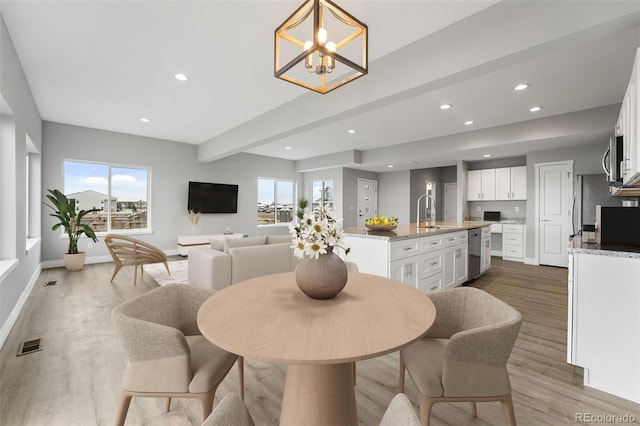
(321,278)
(74,262)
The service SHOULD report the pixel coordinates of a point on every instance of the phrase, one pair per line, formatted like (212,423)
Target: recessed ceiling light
(535,109)
(522,86)
(445,106)
(487,155)
(351,131)
(390,166)
(287,147)
(181,77)
(145,120)
(468,122)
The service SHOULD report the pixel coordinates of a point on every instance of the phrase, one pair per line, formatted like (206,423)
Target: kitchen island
(427,258)
(603,332)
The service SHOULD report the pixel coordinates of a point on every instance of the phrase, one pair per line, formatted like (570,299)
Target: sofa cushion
(279,239)
(251,262)
(217,243)
(243,242)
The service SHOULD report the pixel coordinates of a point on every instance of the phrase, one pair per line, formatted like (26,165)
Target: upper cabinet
(508,183)
(511,183)
(627,126)
(481,185)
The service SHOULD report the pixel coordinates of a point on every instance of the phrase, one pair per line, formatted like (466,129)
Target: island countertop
(577,245)
(410,230)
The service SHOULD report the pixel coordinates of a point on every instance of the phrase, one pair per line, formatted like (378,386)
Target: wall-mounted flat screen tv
(213,197)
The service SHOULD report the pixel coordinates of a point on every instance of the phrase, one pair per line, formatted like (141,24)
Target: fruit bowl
(381,227)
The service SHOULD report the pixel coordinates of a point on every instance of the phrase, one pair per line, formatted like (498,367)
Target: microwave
(619,226)
(613,160)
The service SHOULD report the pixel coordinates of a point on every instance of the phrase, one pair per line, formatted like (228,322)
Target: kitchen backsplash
(506,208)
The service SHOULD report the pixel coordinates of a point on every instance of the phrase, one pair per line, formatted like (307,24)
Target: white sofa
(229,261)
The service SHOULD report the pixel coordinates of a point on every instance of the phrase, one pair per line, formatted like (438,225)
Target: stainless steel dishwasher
(475,249)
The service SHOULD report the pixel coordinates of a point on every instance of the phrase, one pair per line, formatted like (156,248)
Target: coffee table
(270,319)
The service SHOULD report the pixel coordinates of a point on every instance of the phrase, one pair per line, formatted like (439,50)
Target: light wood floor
(75,379)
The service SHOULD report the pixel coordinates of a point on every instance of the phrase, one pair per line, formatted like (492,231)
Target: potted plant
(64,210)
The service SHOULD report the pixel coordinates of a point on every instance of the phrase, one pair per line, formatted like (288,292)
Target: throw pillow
(277,239)
(243,242)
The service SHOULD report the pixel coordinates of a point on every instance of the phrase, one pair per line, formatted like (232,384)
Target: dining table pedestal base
(319,395)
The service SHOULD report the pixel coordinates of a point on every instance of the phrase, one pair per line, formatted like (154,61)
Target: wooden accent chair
(167,355)
(464,354)
(131,251)
(231,411)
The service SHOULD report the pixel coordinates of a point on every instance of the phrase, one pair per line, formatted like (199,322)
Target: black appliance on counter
(475,251)
(491,216)
(618,226)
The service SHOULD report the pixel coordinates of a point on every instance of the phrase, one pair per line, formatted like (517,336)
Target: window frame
(148,229)
(323,182)
(294,201)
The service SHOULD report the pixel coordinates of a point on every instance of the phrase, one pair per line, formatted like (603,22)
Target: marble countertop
(577,245)
(410,230)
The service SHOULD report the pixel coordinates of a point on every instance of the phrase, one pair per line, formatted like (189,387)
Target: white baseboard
(15,312)
(59,263)
(531,261)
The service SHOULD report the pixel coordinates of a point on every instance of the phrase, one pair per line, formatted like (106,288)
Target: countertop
(577,245)
(410,230)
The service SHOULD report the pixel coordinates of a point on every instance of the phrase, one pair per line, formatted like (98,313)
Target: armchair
(131,251)
(463,356)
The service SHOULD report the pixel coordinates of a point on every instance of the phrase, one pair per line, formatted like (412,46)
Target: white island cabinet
(429,260)
(603,333)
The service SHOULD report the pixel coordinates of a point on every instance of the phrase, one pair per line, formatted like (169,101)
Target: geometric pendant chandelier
(321,47)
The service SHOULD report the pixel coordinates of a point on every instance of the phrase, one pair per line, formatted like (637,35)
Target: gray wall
(16,284)
(587,159)
(394,194)
(172,166)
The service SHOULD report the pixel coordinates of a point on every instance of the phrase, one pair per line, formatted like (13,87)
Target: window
(275,201)
(120,193)
(321,193)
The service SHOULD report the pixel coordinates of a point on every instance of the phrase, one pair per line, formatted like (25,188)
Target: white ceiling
(106,64)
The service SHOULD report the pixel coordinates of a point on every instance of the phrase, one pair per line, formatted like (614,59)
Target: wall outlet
(479,208)
(517,209)
(90,245)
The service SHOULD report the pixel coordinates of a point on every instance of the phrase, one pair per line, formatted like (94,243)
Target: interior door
(367,200)
(450,202)
(555,186)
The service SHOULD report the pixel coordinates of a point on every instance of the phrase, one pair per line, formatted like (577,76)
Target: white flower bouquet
(316,233)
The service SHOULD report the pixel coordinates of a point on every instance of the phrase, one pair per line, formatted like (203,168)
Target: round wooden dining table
(270,319)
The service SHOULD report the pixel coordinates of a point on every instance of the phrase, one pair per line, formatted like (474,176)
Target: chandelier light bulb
(322,36)
(331,47)
(308,45)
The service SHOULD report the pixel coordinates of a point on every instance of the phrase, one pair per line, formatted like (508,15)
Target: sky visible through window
(128,184)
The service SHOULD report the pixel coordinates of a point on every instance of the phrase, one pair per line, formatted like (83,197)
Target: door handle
(545,220)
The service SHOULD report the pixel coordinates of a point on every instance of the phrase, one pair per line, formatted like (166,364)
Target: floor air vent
(29,346)
(48,283)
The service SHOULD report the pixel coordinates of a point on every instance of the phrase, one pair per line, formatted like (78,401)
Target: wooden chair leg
(401,375)
(353,371)
(425,409)
(167,405)
(123,407)
(474,409)
(240,362)
(166,265)
(115,271)
(206,400)
(507,409)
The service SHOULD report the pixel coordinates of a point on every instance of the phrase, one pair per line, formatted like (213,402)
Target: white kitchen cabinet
(628,127)
(485,249)
(511,183)
(455,259)
(405,270)
(481,185)
(513,242)
(603,333)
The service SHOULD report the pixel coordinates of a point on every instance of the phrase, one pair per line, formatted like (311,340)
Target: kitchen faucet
(432,212)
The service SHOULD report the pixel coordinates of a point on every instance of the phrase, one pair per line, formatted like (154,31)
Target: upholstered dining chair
(131,251)
(167,355)
(231,411)
(464,354)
